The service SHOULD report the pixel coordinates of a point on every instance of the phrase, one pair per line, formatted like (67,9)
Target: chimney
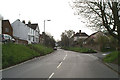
(43,33)
(79,31)
(73,33)
(29,22)
(23,21)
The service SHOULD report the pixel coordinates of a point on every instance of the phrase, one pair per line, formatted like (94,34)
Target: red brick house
(93,41)
(7,28)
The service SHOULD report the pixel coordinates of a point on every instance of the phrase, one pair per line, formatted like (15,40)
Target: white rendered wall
(20,30)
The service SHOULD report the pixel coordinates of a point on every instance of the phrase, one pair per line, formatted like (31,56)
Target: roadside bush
(80,49)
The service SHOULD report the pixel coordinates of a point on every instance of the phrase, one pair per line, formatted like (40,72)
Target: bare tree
(66,38)
(101,14)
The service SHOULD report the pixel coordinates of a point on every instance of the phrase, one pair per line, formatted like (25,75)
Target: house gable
(80,35)
(20,30)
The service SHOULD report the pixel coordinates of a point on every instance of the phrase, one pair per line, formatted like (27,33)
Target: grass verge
(16,53)
(113,57)
(43,50)
(80,49)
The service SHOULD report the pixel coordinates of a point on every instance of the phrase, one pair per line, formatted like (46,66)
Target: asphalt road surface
(61,64)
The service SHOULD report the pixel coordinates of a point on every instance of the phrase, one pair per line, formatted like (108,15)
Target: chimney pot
(29,22)
(79,31)
(23,21)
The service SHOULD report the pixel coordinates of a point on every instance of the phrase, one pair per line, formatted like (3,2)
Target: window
(29,37)
(6,29)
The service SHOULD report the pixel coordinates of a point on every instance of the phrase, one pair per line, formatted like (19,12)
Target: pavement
(62,64)
(114,67)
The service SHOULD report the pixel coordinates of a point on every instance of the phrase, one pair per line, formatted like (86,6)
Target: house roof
(5,22)
(80,34)
(33,26)
(92,35)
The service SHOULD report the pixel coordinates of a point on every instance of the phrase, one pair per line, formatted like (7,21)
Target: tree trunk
(118,30)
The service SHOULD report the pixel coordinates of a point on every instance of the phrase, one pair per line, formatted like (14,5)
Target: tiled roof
(80,34)
(5,22)
(33,26)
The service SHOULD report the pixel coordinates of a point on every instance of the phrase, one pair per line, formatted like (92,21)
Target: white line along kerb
(51,76)
(59,65)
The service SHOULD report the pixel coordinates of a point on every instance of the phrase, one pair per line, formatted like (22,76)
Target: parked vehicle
(55,48)
(6,38)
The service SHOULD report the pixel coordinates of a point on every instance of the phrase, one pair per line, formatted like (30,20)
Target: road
(61,64)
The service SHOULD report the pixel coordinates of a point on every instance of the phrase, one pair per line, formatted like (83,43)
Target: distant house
(7,28)
(34,32)
(93,41)
(79,37)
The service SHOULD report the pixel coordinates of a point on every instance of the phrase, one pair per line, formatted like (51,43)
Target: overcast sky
(58,11)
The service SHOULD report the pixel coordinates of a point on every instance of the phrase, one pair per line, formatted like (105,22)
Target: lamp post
(44,24)
(44,32)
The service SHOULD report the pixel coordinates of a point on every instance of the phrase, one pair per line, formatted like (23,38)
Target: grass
(113,57)
(80,49)
(43,50)
(16,53)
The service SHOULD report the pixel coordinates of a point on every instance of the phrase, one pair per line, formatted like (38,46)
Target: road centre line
(62,62)
(65,57)
(50,76)
(59,65)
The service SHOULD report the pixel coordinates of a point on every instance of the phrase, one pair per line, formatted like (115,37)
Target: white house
(28,32)
(20,30)
(80,35)
(34,32)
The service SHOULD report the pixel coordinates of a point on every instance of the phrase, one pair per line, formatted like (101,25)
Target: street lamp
(44,24)
(44,35)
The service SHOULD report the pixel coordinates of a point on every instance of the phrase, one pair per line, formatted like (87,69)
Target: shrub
(80,49)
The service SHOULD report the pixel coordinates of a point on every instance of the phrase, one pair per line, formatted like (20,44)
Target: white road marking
(104,54)
(93,56)
(65,57)
(50,76)
(59,65)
